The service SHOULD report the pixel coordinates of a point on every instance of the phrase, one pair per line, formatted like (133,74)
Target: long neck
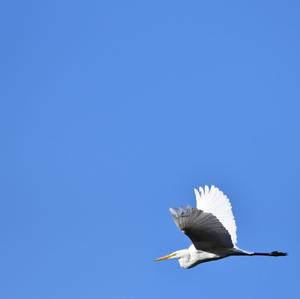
(182,253)
(183,258)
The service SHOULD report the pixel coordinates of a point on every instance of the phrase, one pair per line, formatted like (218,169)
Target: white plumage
(217,203)
(211,228)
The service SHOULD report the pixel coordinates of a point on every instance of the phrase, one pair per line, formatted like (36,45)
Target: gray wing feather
(205,230)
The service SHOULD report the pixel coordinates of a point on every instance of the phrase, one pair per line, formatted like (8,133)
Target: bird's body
(211,228)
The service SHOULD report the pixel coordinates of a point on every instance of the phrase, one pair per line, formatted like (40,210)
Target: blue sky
(113,111)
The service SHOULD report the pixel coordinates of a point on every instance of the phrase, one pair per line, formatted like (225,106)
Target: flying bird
(211,228)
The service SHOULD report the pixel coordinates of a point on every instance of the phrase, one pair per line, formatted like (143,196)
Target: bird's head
(174,255)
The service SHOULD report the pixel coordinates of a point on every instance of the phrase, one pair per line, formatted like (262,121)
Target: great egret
(211,228)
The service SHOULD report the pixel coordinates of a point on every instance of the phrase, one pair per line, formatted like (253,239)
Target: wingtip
(197,194)
(201,191)
(173,211)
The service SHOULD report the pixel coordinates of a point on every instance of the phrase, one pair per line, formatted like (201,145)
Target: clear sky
(113,111)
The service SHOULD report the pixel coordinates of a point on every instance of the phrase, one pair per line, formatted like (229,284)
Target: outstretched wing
(204,229)
(214,201)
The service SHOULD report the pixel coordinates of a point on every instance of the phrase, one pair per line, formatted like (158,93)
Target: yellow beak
(166,257)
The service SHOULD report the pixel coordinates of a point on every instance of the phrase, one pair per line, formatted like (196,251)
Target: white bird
(211,228)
